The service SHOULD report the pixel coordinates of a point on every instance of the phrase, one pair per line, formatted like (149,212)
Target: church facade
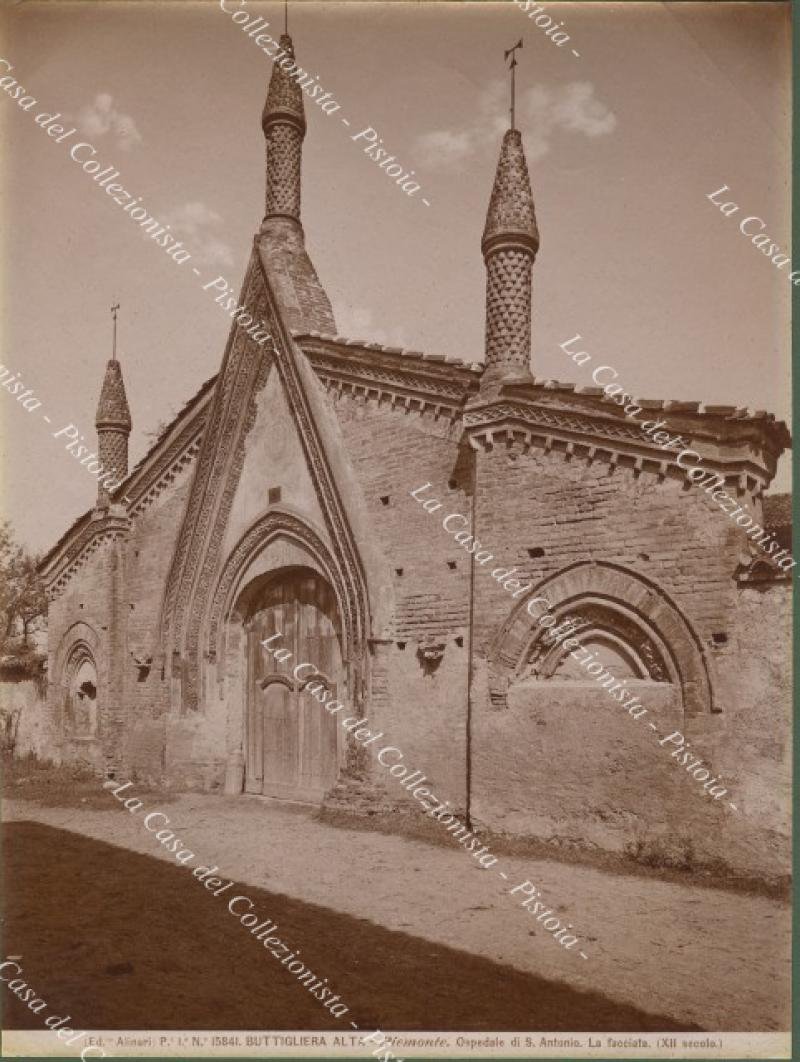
(280,502)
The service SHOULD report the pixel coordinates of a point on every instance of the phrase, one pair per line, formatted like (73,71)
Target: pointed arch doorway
(291,743)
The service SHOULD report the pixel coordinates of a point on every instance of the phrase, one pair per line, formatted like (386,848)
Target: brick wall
(564,762)
(82,611)
(422,709)
(148,557)
(577,510)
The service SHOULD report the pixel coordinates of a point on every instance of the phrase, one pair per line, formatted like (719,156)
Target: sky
(663,105)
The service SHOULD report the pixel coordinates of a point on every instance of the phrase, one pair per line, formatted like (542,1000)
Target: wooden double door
(291,741)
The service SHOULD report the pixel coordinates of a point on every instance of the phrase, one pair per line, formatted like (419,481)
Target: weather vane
(114,309)
(512,67)
(286,17)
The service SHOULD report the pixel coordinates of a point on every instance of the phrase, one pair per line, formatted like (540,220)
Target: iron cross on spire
(512,67)
(114,309)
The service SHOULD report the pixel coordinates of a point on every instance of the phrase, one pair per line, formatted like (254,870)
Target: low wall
(564,762)
(22,704)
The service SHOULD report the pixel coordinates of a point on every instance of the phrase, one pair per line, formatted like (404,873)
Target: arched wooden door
(291,741)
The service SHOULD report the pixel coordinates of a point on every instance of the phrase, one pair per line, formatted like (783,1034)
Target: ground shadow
(125,941)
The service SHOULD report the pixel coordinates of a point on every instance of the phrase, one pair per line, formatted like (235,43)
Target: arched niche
(632,625)
(79,681)
(81,685)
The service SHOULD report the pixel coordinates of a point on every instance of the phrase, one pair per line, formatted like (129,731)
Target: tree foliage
(23,604)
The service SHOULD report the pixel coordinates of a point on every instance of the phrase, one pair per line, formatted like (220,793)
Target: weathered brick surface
(298,471)
(562,760)
(580,510)
(393,453)
(146,687)
(565,762)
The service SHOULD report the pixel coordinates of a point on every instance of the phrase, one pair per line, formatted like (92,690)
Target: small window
(451,565)
(274,495)
(536,551)
(384,499)
(719,638)
(398,571)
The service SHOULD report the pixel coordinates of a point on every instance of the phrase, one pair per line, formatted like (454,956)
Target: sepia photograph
(396,529)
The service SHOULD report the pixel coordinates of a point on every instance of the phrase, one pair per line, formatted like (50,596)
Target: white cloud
(541,113)
(101,117)
(355,322)
(194,223)
(445,147)
(573,108)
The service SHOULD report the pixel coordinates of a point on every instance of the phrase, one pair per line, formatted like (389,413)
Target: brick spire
(509,245)
(304,304)
(284,124)
(113,423)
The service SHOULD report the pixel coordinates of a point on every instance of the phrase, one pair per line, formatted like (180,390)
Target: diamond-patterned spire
(284,123)
(511,212)
(112,409)
(509,245)
(285,96)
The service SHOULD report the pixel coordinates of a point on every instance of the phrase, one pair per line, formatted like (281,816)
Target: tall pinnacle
(284,124)
(509,245)
(304,304)
(113,423)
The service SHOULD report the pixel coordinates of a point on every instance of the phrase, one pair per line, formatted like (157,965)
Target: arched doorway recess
(291,744)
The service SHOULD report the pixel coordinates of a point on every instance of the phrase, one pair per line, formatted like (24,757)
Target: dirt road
(659,955)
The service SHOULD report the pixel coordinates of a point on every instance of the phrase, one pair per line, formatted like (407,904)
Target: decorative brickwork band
(508,312)
(284,154)
(112,452)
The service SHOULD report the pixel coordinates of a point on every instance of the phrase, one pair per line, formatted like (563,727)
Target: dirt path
(706,957)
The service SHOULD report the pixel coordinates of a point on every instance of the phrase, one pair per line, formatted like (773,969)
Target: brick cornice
(179,449)
(176,449)
(88,538)
(739,443)
(735,449)
(405,378)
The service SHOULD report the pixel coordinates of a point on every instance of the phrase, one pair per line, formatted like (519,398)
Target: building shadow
(119,940)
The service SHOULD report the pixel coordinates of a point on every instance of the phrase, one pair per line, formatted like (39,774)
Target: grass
(76,787)
(646,861)
(59,786)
